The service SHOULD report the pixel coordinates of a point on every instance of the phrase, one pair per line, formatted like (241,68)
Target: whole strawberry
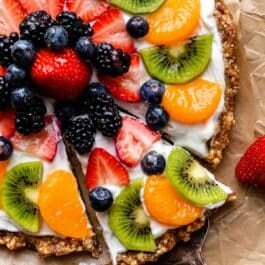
(60,75)
(251,167)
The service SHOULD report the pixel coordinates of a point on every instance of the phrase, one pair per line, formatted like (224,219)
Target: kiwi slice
(128,220)
(179,64)
(191,180)
(138,6)
(20,195)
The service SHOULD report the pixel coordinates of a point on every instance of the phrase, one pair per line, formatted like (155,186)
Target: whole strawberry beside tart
(103,107)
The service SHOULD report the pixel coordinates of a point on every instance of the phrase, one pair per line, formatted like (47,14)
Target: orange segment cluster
(61,207)
(175,21)
(165,205)
(193,102)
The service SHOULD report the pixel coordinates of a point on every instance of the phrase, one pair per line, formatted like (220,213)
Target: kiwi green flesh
(138,6)
(191,180)
(179,64)
(129,222)
(19,195)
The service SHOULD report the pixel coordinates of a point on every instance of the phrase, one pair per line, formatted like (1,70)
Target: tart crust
(52,245)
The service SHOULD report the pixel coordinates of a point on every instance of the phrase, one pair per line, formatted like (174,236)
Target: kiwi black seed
(129,222)
(179,64)
(191,180)
(20,194)
(138,6)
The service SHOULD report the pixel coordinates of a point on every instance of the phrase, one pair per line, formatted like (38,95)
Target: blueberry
(152,91)
(56,38)
(137,27)
(96,88)
(85,48)
(15,75)
(6,148)
(21,98)
(153,163)
(101,199)
(23,52)
(156,117)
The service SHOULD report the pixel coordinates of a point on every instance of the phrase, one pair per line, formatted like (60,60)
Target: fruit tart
(107,109)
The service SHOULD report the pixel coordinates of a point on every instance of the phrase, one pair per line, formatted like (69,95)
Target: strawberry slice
(11,14)
(88,10)
(133,140)
(110,27)
(7,123)
(125,87)
(104,168)
(42,144)
(53,7)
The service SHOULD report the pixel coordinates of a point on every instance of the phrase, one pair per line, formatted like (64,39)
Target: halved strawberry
(133,140)
(104,168)
(11,14)
(53,7)
(110,27)
(125,87)
(7,123)
(42,144)
(87,9)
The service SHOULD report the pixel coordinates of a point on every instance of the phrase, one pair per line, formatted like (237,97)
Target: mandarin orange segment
(60,205)
(175,21)
(192,103)
(165,205)
(3,169)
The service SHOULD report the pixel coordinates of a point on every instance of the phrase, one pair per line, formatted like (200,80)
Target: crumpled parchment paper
(237,234)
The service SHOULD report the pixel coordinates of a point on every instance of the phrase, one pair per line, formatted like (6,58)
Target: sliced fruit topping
(42,144)
(165,205)
(20,194)
(52,7)
(101,199)
(11,14)
(138,7)
(104,168)
(60,75)
(153,163)
(7,123)
(3,170)
(251,167)
(88,10)
(191,180)
(181,63)
(6,148)
(133,140)
(194,102)
(61,207)
(110,27)
(129,222)
(127,86)
(175,21)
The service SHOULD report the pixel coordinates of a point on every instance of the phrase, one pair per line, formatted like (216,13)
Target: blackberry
(81,134)
(31,120)
(34,26)
(4,94)
(105,114)
(74,25)
(5,47)
(111,61)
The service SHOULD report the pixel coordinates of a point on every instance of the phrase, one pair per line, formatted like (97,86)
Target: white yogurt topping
(193,137)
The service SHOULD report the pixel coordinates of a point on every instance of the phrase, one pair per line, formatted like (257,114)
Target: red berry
(251,167)
(110,27)
(7,123)
(60,75)
(133,140)
(127,86)
(104,168)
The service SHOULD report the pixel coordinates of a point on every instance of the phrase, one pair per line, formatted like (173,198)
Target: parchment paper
(237,234)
